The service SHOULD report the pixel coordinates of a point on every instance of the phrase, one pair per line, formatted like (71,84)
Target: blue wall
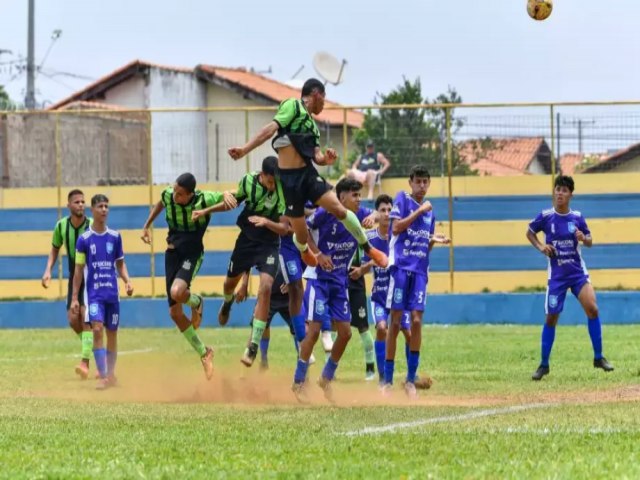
(526,309)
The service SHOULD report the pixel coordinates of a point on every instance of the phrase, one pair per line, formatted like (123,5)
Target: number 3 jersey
(99,252)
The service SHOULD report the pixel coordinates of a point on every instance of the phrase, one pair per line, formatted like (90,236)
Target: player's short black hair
(419,171)
(75,191)
(187,181)
(311,85)
(269,165)
(564,181)
(383,198)
(348,185)
(99,198)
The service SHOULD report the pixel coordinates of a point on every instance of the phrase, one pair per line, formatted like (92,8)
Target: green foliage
(410,136)
(5,102)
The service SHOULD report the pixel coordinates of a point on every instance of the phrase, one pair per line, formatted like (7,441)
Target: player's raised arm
(262,136)
(155,211)
(399,225)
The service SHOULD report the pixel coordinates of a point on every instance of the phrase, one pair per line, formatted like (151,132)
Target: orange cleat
(378,257)
(310,259)
(82,370)
(207,363)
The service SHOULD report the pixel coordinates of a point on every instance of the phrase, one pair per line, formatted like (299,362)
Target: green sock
(367,344)
(87,344)
(193,300)
(352,224)
(258,330)
(194,340)
(228,297)
(300,246)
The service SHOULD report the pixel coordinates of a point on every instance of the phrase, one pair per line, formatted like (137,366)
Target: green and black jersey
(358,284)
(261,202)
(66,234)
(295,122)
(186,234)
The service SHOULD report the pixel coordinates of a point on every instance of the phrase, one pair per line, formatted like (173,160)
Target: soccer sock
(264,348)
(100,354)
(367,344)
(87,345)
(298,326)
(352,224)
(406,352)
(257,330)
(112,357)
(194,340)
(300,246)
(389,366)
(228,297)
(548,336)
(301,371)
(296,344)
(329,369)
(193,300)
(595,332)
(380,347)
(412,366)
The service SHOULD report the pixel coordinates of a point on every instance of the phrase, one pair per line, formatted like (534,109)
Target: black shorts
(70,292)
(283,311)
(184,266)
(248,253)
(358,305)
(300,185)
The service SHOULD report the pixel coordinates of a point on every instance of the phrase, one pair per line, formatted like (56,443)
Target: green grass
(165,421)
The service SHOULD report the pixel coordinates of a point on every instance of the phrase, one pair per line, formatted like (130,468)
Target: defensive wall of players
(489,252)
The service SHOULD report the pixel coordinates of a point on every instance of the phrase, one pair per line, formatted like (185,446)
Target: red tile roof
(569,162)
(277,92)
(500,156)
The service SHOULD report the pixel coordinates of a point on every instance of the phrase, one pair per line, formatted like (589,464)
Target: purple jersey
(410,249)
(99,252)
(560,232)
(333,240)
(380,275)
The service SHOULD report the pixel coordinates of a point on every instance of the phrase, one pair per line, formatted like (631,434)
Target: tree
(5,101)
(410,136)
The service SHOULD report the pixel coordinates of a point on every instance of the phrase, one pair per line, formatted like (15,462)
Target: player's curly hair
(383,198)
(564,181)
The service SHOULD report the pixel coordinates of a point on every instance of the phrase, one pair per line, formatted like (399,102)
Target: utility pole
(580,124)
(30,97)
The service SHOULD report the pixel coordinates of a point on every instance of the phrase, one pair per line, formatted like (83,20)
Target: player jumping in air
(100,260)
(564,231)
(66,232)
(185,252)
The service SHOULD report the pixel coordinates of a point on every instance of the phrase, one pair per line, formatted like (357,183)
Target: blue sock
(301,372)
(380,346)
(298,324)
(329,369)
(100,355)
(111,362)
(412,366)
(264,348)
(595,332)
(406,353)
(548,336)
(296,344)
(389,366)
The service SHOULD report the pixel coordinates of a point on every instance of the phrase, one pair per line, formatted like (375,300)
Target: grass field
(483,417)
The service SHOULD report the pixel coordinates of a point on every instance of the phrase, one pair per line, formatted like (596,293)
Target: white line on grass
(448,418)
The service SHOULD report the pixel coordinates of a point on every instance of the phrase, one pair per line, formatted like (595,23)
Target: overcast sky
(490,51)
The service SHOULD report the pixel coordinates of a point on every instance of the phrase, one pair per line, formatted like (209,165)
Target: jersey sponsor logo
(572,227)
(319,307)
(362,312)
(397,295)
(92,248)
(93,309)
(109,247)
(292,267)
(553,301)
(340,246)
(289,207)
(407,243)
(271,260)
(186,265)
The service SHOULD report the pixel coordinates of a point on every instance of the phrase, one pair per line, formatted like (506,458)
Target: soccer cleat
(82,370)
(539,373)
(264,365)
(370,373)
(423,383)
(603,364)
(312,359)
(207,363)
(223,313)
(410,390)
(196,313)
(300,391)
(385,389)
(249,355)
(309,258)
(378,257)
(325,385)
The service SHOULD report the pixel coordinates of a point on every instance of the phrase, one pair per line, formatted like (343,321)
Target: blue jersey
(380,275)
(560,232)
(99,252)
(334,240)
(410,249)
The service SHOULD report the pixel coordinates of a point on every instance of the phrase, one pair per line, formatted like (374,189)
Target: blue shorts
(327,301)
(381,314)
(407,290)
(326,323)
(290,263)
(106,313)
(557,292)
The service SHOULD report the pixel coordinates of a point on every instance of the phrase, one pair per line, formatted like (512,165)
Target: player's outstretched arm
(146,233)
(401,224)
(124,275)
(262,136)
(51,261)
(281,228)
(546,250)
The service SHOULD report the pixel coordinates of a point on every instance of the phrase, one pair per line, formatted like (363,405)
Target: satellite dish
(329,67)
(295,83)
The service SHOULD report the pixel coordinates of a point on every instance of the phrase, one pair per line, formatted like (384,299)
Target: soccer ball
(539,9)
